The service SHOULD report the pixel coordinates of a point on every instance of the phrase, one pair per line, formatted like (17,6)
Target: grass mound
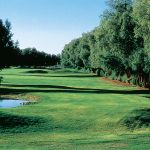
(137,119)
(16,123)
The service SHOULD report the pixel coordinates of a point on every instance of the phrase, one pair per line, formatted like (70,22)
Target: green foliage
(133,80)
(141,14)
(98,72)
(102,73)
(137,119)
(11,55)
(121,43)
(114,63)
(113,75)
(31,57)
(124,78)
(8,49)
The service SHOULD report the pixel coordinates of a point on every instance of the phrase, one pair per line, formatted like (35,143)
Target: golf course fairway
(72,110)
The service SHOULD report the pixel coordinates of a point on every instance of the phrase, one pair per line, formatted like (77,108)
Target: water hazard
(10,103)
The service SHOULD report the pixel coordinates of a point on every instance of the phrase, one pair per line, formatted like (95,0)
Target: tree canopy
(119,48)
(12,55)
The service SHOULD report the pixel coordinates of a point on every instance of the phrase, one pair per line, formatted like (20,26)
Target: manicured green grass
(73,111)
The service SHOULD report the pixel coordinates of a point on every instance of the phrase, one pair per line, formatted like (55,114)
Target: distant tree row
(11,55)
(31,57)
(119,48)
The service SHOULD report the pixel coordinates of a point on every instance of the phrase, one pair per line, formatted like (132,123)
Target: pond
(10,103)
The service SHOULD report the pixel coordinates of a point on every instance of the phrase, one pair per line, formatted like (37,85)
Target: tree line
(31,57)
(119,48)
(12,55)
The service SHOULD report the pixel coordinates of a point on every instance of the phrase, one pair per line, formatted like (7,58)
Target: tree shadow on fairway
(42,86)
(73,76)
(54,76)
(62,89)
(147,97)
(10,123)
(37,71)
(16,123)
(137,119)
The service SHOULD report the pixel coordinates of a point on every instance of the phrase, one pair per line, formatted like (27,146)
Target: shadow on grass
(37,71)
(147,97)
(46,86)
(68,71)
(10,123)
(63,89)
(16,123)
(74,76)
(137,119)
(55,76)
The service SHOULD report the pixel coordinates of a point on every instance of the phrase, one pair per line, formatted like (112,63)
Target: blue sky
(50,24)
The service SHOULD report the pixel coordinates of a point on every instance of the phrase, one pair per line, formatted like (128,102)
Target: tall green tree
(8,49)
(141,14)
(120,25)
(6,44)
(141,56)
(119,46)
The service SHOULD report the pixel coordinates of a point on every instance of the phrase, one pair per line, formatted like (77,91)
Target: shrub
(113,75)
(88,70)
(98,72)
(102,73)
(137,119)
(124,78)
(133,80)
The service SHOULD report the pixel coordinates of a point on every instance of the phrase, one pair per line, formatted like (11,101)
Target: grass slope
(73,111)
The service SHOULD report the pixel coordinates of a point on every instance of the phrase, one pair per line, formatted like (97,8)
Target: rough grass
(137,119)
(15,123)
(73,111)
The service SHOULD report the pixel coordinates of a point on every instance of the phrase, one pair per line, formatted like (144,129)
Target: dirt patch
(32,98)
(122,83)
(116,82)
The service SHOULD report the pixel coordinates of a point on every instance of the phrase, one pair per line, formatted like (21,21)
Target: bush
(106,74)
(113,75)
(83,70)
(137,119)
(88,70)
(133,80)
(124,78)
(98,72)
(102,73)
